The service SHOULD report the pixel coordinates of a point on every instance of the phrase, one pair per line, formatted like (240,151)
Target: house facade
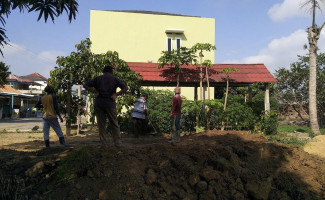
(21,93)
(141,36)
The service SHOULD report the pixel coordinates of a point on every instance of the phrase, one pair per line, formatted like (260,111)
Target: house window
(178,43)
(169,44)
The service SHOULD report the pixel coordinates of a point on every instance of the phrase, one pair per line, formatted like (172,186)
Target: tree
(227,72)
(46,9)
(200,47)
(82,66)
(313,36)
(293,83)
(4,73)
(177,58)
(207,64)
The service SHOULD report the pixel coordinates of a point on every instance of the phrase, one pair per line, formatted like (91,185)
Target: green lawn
(303,129)
(291,139)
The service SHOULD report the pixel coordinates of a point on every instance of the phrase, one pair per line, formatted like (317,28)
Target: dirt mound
(209,165)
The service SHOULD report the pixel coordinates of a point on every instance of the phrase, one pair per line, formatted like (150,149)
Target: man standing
(51,111)
(140,115)
(175,115)
(104,87)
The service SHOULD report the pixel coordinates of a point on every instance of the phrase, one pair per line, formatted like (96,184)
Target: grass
(287,140)
(303,129)
(74,165)
(292,140)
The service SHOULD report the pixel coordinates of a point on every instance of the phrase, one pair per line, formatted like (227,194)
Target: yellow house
(141,36)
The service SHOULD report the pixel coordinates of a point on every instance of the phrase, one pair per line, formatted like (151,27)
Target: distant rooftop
(150,12)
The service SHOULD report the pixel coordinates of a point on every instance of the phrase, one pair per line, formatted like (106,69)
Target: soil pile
(209,165)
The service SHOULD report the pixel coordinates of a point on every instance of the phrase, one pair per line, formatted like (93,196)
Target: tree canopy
(83,65)
(177,58)
(4,73)
(45,8)
(292,86)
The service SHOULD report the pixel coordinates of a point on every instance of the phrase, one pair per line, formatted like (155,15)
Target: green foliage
(302,129)
(83,65)
(200,47)
(4,73)
(52,9)
(287,140)
(270,122)
(74,165)
(228,70)
(159,107)
(257,104)
(177,58)
(240,116)
(293,84)
(203,115)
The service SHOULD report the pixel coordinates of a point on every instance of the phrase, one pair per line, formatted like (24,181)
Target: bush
(270,122)
(208,114)
(239,116)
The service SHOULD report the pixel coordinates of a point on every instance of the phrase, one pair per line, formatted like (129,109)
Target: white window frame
(171,43)
(180,42)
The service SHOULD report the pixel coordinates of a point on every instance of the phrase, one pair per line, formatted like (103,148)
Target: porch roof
(190,76)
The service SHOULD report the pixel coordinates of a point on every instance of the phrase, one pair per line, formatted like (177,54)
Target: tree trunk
(313,36)
(267,98)
(201,79)
(208,82)
(78,115)
(225,105)
(177,79)
(68,120)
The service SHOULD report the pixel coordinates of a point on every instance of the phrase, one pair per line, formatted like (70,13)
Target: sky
(272,32)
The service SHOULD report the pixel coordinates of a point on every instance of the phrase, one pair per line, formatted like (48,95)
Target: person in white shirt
(140,116)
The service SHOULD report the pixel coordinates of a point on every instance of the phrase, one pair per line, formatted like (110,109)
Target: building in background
(141,36)
(19,96)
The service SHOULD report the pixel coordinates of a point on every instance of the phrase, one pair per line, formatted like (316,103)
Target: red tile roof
(246,74)
(19,79)
(35,74)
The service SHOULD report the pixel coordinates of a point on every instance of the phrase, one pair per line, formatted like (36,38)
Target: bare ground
(208,165)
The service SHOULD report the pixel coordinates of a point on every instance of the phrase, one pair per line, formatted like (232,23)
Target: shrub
(270,122)
(239,116)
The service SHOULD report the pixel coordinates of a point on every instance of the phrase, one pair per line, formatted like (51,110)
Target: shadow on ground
(209,165)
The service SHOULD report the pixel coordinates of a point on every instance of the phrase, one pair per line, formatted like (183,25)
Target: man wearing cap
(140,115)
(175,115)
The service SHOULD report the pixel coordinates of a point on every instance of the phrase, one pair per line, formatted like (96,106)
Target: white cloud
(287,9)
(283,51)
(23,61)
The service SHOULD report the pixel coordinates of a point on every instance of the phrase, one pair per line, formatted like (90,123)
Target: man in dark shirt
(104,87)
(175,115)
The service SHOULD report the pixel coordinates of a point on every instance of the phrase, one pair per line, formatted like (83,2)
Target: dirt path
(317,146)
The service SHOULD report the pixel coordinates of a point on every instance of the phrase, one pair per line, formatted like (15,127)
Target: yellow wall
(188,92)
(141,37)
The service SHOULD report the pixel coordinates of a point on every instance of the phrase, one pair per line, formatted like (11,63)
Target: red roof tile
(246,74)
(19,79)
(35,74)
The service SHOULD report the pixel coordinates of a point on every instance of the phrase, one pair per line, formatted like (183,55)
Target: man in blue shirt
(104,87)
(140,115)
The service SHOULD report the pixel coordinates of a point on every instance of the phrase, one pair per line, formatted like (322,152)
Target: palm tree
(177,58)
(202,47)
(52,9)
(313,36)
